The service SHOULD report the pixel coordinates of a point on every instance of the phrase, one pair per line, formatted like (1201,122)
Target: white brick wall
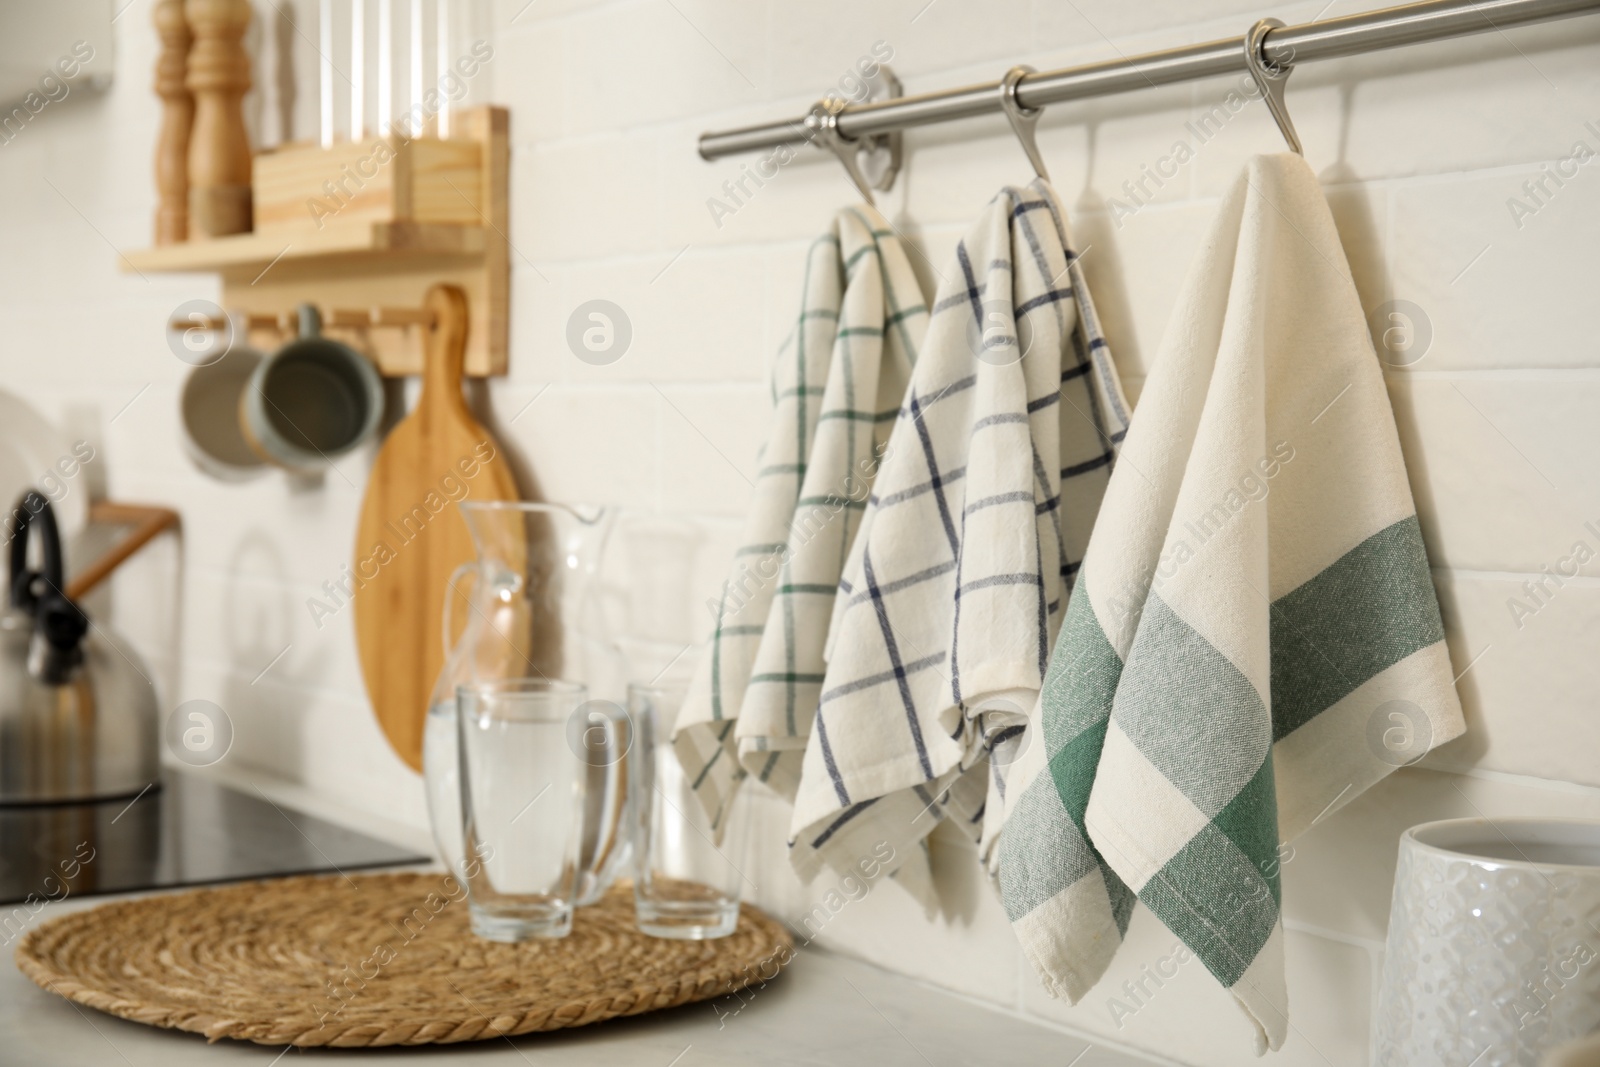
(1419,150)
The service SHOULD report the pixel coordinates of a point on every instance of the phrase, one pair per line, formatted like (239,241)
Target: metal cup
(311,401)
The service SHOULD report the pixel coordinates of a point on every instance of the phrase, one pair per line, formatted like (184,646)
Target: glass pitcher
(529,607)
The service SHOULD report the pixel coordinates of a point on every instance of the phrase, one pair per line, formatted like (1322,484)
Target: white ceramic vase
(1494,943)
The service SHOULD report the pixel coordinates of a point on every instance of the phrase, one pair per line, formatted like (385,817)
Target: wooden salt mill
(177,115)
(219,151)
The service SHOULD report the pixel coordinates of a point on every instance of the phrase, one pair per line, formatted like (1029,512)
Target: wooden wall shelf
(362,263)
(354,241)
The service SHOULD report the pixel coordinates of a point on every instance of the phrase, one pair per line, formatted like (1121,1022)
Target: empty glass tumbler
(687,885)
(528,749)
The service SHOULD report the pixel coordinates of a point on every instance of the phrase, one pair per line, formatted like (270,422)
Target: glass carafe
(529,607)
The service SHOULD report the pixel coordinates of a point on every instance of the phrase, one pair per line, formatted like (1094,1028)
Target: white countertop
(824,1010)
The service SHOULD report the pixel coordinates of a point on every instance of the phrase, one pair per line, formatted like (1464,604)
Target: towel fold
(836,388)
(1255,637)
(978,519)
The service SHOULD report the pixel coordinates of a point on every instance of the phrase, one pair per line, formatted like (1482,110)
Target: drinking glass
(529,606)
(687,884)
(527,748)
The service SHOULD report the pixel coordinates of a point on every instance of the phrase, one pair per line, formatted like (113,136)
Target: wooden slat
(147,521)
(353,239)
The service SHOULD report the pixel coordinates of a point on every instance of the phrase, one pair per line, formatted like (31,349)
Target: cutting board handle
(445,349)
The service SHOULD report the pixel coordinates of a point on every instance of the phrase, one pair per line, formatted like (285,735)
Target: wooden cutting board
(412,537)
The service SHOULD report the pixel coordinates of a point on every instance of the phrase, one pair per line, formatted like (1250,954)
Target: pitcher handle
(613,833)
(451,586)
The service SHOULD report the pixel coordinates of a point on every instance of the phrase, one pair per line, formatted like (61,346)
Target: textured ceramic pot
(1494,943)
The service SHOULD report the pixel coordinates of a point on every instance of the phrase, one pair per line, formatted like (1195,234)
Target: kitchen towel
(836,388)
(1255,638)
(978,519)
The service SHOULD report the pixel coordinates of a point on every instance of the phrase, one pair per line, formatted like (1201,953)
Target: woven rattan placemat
(375,959)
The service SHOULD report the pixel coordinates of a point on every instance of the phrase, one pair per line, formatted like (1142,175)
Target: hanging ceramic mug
(311,401)
(213,432)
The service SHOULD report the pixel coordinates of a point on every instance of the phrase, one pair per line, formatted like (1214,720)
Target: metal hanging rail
(1390,27)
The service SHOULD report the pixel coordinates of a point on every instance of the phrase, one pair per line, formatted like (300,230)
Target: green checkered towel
(836,389)
(1254,637)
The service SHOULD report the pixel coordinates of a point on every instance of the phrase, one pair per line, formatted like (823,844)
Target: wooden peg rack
(266,331)
(287,323)
(353,260)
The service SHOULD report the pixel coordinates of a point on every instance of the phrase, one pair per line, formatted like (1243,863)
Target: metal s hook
(1271,78)
(872,162)
(1023,120)
(823,122)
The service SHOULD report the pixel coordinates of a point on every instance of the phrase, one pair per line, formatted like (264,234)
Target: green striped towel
(836,389)
(1253,619)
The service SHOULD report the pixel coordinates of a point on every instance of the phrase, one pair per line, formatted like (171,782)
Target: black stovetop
(189,831)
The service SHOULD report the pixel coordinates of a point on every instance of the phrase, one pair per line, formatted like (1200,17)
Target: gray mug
(312,400)
(213,434)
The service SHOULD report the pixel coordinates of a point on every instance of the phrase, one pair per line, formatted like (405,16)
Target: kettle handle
(59,625)
(21,581)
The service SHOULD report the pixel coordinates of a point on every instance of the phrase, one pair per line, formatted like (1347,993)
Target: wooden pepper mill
(219,151)
(177,116)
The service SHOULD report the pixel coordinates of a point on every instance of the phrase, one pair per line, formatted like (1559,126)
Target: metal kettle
(78,713)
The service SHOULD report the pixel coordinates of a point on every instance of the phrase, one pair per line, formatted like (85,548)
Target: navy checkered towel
(956,582)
